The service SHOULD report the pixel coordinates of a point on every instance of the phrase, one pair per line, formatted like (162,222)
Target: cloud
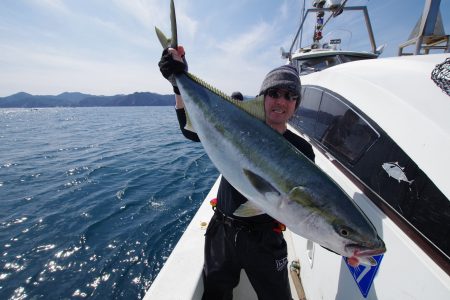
(51,71)
(246,43)
(147,13)
(52,5)
(151,13)
(112,44)
(285,10)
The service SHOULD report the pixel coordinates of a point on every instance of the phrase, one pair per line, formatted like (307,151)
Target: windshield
(306,66)
(315,64)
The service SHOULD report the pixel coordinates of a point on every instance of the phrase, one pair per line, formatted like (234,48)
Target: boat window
(342,130)
(349,58)
(376,161)
(306,66)
(306,115)
(336,126)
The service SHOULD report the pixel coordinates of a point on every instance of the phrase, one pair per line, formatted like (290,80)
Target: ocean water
(93,200)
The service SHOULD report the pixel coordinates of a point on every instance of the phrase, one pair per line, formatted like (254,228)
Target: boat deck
(180,277)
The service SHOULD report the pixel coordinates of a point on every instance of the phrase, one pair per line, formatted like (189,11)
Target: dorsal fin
(254,107)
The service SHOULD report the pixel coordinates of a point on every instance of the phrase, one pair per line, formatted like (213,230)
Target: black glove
(169,67)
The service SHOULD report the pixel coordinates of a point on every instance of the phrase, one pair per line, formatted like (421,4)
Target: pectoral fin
(188,125)
(248,209)
(260,184)
(301,195)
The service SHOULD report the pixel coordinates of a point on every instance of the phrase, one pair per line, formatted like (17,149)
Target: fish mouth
(364,251)
(369,252)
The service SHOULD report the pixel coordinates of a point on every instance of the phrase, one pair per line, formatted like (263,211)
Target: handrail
(349,8)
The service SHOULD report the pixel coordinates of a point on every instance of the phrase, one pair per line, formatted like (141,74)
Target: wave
(93,200)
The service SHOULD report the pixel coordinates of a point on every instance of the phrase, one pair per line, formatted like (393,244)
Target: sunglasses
(276,94)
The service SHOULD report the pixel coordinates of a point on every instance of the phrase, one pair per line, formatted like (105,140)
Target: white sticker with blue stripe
(364,275)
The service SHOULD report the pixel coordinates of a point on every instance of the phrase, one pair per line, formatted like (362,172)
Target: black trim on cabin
(412,202)
(321,61)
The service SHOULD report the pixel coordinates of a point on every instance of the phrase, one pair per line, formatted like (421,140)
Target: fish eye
(343,232)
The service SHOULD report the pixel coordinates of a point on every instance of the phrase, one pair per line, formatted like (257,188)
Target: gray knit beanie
(284,77)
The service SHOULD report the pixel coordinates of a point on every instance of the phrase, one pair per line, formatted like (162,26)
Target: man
(255,244)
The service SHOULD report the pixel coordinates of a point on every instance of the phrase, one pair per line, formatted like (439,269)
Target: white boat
(405,118)
(393,161)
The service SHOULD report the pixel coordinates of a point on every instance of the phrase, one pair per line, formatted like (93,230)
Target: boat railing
(349,8)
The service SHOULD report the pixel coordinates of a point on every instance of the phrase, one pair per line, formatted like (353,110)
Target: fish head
(337,223)
(356,240)
(358,243)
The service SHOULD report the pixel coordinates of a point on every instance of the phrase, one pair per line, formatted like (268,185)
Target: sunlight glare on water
(93,200)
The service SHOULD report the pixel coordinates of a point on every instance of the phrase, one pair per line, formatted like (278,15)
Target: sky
(109,47)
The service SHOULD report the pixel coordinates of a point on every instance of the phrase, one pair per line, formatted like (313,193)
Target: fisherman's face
(279,106)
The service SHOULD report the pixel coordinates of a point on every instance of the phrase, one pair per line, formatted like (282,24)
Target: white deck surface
(180,278)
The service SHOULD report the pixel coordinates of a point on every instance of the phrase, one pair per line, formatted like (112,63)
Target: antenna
(301,32)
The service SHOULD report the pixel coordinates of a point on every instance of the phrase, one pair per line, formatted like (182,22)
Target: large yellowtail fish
(273,175)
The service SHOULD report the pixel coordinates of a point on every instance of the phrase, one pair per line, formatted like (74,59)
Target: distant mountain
(74,99)
(19,96)
(73,96)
